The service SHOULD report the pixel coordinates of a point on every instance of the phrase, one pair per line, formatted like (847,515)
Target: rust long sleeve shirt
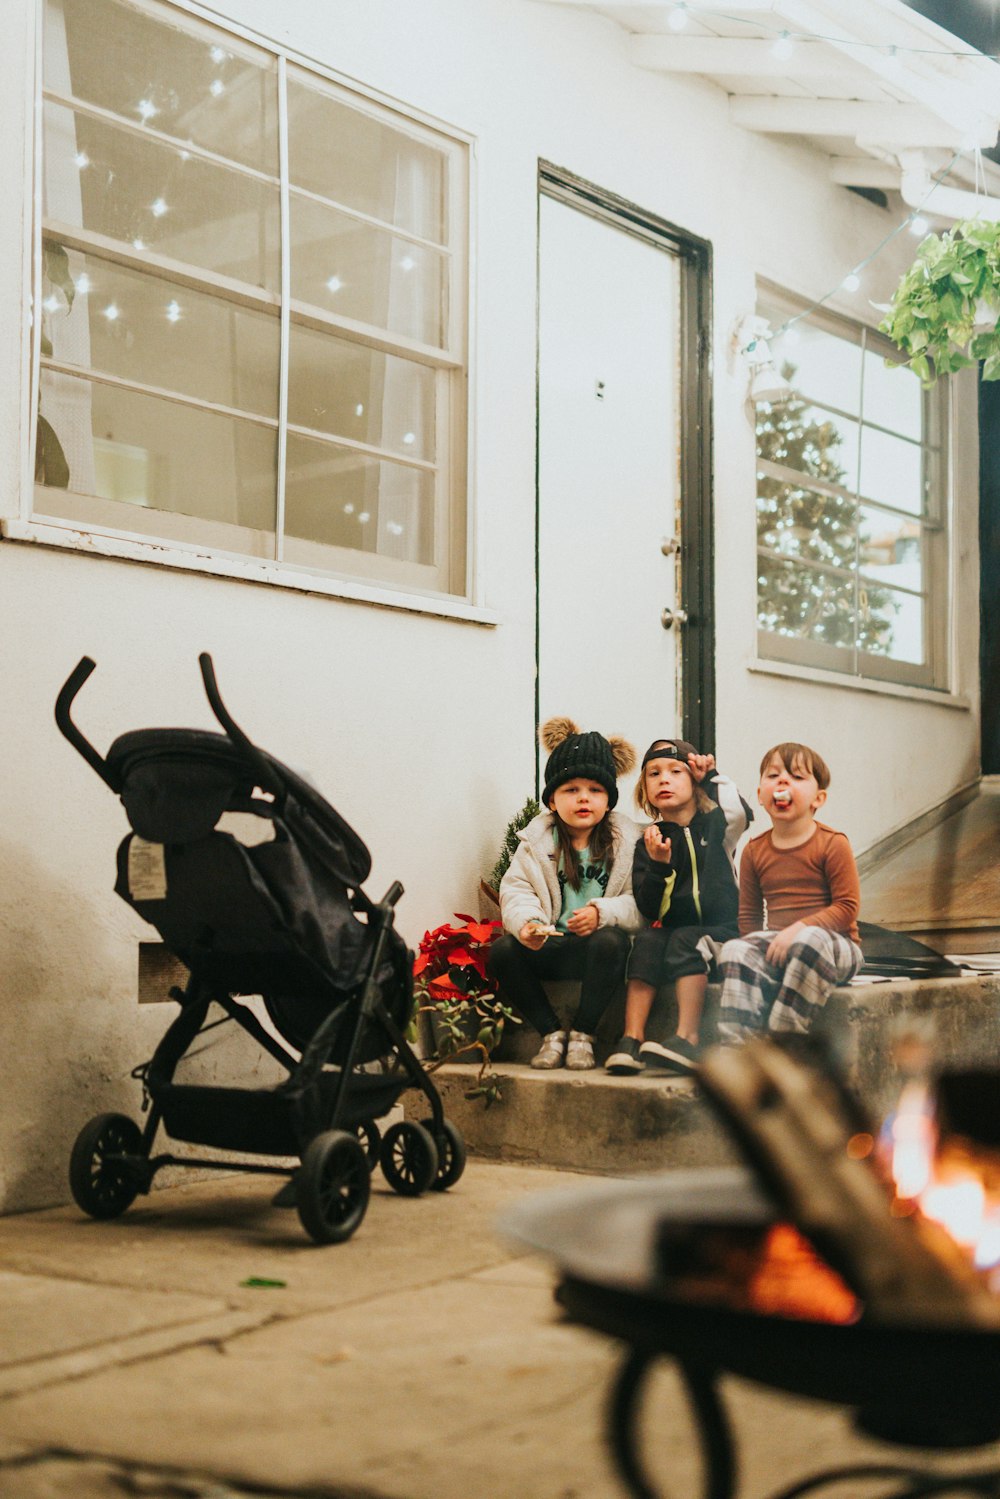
(816,882)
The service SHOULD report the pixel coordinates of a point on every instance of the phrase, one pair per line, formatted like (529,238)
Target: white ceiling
(873,87)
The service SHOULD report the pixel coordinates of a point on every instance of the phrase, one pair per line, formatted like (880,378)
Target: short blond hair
(702,800)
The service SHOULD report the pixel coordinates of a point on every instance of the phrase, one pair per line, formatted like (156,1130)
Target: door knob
(671,617)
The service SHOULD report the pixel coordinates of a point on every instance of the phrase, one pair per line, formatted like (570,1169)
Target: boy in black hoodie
(684,882)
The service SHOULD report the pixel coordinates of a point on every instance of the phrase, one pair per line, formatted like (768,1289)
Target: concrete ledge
(582,1121)
(593,1122)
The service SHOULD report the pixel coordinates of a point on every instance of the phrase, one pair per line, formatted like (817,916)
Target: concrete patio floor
(424,1359)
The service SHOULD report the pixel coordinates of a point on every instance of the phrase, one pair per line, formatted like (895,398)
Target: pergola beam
(735,56)
(902,124)
(864,171)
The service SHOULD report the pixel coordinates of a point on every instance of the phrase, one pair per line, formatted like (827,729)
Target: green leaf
(991,369)
(51,467)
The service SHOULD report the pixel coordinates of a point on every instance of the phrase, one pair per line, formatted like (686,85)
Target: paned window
(253,295)
(852,513)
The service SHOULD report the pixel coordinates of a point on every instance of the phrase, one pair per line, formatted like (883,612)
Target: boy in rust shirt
(799,902)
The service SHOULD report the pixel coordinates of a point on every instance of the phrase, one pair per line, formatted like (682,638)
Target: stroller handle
(266,777)
(68,728)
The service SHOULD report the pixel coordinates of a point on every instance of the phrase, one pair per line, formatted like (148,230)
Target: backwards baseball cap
(668,749)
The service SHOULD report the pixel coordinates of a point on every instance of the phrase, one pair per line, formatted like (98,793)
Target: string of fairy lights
(784,43)
(786,39)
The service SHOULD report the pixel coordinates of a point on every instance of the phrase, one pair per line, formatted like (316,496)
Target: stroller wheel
(102,1181)
(451,1155)
(370,1137)
(409,1158)
(332,1187)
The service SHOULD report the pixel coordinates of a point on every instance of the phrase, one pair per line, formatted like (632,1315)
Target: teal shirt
(593,883)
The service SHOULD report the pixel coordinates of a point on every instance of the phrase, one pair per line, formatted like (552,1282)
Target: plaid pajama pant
(757,996)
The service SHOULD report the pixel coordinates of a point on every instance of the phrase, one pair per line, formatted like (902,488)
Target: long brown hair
(602,841)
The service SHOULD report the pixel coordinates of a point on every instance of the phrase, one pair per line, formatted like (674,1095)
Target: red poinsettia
(451,963)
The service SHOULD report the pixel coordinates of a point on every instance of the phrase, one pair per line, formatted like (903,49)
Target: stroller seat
(255,883)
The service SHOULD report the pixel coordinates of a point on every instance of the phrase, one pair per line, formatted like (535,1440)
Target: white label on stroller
(147,870)
(247,828)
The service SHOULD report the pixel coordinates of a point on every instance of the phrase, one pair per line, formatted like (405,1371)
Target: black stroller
(254,883)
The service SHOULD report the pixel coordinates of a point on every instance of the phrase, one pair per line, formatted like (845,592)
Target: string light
(852,281)
(783,47)
(334,283)
(158,209)
(682,12)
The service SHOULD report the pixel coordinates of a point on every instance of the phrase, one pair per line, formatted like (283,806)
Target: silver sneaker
(553,1051)
(580,1052)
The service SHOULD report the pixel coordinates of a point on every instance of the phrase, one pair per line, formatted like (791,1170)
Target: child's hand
(533,935)
(584,921)
(700,765)
(777,953)
(657,847)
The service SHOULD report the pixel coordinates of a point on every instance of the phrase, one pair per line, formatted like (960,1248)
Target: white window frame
(378,580)
(789,655)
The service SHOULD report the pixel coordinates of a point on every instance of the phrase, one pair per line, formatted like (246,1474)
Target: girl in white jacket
(566,900)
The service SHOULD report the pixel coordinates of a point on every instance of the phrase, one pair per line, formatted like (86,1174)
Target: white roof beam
(903,124)
(740,57)
(752,7)
(864,171)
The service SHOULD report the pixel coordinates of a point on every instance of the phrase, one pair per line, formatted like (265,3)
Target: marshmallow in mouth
(782,798)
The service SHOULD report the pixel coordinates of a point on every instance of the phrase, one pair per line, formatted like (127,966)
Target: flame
(942,1181)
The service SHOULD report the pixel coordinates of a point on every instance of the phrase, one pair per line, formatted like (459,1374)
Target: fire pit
(803,1274)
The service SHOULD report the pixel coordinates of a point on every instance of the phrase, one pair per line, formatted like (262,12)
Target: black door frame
(697,556)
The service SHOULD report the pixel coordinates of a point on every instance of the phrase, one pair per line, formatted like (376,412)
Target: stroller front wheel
(409,1158)
(102,1178)
(333,1186)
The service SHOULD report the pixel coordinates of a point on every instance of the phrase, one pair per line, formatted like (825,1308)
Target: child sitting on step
(566,899)
(799,903)
(684,882)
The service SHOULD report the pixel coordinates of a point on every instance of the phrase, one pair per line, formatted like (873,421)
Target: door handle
(671,617)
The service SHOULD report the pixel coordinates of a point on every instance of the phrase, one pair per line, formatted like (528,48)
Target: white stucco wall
(419,729)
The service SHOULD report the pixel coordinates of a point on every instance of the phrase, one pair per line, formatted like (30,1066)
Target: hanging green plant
(944,312)
(51,467)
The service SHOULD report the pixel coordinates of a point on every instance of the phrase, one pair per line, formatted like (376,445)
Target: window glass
(168,364)
(893,397)
(352,391)
(365,164)
(892,470)
(160,455)
(824,368)
(160,74)
(353,270)
(805,603)
(852,556)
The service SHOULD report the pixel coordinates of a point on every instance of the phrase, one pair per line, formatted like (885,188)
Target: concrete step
(593,1122)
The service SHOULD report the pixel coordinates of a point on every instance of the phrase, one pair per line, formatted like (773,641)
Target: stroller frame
(326,1105)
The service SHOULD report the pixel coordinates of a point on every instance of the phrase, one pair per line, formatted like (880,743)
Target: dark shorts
(662,954)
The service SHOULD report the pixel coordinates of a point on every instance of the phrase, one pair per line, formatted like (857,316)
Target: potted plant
(489,889)
(455,995)
(944,313)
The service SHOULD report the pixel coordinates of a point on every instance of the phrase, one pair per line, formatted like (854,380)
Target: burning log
(800,1131)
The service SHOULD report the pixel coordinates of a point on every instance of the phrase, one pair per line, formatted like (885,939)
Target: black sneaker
(625,1058)
(675,1055)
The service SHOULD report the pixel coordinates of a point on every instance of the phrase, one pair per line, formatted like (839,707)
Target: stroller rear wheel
(370,1137)
(332,1187)
(409,1158)
(451,1155)
(103,1182)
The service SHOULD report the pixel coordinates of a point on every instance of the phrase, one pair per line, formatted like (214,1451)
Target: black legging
(598,961)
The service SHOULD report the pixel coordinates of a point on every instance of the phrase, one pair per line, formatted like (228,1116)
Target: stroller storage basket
(255,883)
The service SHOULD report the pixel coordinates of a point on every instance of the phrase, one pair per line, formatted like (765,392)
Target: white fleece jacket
(529,891)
